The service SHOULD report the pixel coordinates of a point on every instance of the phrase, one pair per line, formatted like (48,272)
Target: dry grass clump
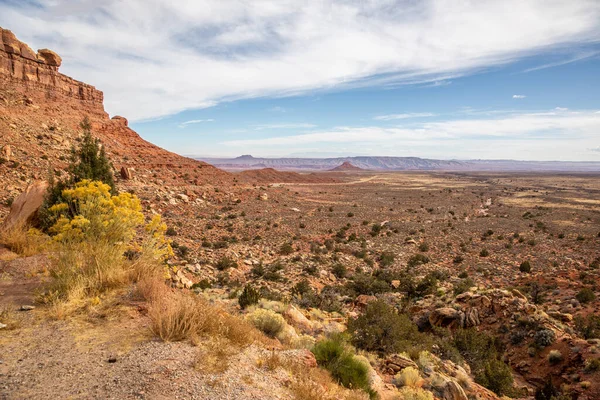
(178,316)
(8,317)
(408,377)
(410,393)
(269,322)
(317,384)
(23,240)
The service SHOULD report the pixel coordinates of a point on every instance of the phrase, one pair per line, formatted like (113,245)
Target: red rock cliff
(37,73)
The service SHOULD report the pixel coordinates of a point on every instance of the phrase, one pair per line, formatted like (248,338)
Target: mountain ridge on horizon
(393,163)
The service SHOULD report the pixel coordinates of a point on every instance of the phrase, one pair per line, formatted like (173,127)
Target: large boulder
(447,317)
(49,57)
(25,207)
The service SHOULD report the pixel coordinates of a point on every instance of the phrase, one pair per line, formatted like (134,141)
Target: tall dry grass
(23,240)
(177,316)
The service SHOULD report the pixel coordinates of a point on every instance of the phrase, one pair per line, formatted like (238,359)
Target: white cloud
(561,109)
(195,121)
(159,59)
(277,109)
(542,135)
(519,96)
(284,126)
(390,117)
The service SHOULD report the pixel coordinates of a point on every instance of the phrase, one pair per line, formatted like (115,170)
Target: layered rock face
(40,115)
(38,72)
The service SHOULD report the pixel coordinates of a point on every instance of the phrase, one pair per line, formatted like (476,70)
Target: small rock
(2,326)
(27,308)
(112,359)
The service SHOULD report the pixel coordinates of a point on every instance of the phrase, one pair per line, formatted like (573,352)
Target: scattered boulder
(120,120)
(25,207)
(7,152)
(446,317)
(396,363)
(126,173)
(49,57)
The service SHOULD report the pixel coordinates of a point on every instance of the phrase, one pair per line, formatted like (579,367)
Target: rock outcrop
(25,207)
(39,72)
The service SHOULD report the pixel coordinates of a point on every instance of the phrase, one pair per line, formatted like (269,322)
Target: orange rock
(25,207)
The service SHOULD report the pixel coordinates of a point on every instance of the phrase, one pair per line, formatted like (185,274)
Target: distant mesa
(346,166)
(245,157)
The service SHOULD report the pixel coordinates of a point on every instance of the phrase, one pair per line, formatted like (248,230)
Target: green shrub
(416,260)
(544,338)
(381,329)
(225,263)
(525,266)
(286,249)
(481,351)
(588,327)
(338,358)
(248,297)
(387,258)
(586,295)
(339,270)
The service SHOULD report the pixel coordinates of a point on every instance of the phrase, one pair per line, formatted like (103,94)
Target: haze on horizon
(434,79)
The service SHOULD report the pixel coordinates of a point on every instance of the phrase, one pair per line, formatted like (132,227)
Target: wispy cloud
(194,121)
(519,96)
(554,135)
(391,117)
(277,109)
(284,126)
(159,60)
(572,59)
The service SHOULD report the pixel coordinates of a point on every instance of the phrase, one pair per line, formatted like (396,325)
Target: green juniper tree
(88,161)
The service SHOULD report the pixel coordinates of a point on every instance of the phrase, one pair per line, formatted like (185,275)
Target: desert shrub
(381,329)
(411,393)
(387,258)
(585,295)
(484,253)
(481,351)
(92,232)
(338,358)
(592,365)
(267,321)
(525,266)
(544,338)
(416,260)
(409,376)
(339,270)
(463,285)
(171,231)
(88,162)
(286,249)
(423,247)
(458,259)
(367,284)
(496,376)
(554,356)
(588,327)
(248,297)
(225,263)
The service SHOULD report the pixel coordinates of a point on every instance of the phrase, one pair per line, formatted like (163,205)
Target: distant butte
(345,167)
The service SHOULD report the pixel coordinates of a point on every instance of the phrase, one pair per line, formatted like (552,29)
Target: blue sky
(437,79)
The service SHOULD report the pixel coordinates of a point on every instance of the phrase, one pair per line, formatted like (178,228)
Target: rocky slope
(40,113)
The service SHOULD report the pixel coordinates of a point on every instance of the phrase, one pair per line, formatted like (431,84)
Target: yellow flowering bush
(93,231)
(90,211)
